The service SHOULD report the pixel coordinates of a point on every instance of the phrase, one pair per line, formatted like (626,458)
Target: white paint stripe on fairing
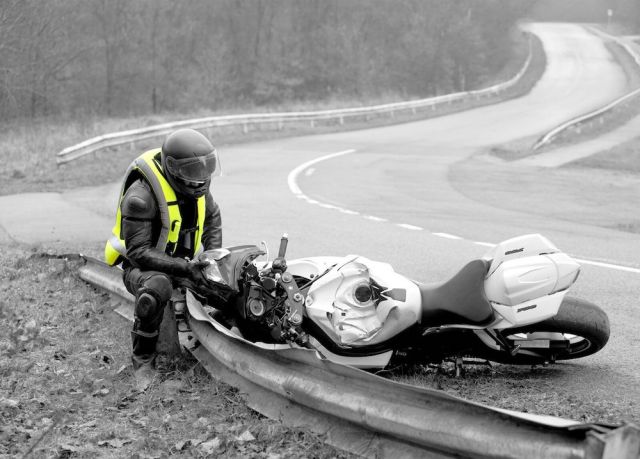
(447,235)
(409,227)
(295,189)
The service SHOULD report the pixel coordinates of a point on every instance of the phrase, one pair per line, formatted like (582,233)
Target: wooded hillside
(124,57)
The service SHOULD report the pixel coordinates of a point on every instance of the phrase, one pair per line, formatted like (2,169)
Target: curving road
(397,197)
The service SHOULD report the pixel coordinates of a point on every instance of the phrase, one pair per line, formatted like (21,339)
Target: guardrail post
(313,123)
(413,110)
(341,119)
(245,128)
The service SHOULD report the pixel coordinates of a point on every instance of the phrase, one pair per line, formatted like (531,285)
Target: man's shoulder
(139,201)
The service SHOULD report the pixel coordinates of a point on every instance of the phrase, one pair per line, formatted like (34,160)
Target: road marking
(347,211)
(293,175)
(484,244)
(608,265)
(328,206)
(375,219)
(295,189)
(409,227)
(446,235)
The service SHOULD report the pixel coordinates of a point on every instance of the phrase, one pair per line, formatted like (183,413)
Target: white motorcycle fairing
(355,320)
(527,280)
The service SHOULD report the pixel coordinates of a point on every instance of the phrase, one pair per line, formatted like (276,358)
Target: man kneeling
(166,215)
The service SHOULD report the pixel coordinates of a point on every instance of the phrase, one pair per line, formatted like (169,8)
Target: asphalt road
(393,198)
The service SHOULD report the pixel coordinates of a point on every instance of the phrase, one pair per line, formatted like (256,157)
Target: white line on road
(608,265)
(446,235)
(409,227)
(293,175)
(484,244)
(375,219)
(295,189)
(328,206)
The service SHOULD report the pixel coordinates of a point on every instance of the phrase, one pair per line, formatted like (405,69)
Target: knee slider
(148,307)
(159,285)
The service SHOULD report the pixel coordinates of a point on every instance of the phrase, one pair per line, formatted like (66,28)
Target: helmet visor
(196,169)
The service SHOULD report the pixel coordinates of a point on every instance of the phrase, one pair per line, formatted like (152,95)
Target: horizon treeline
(124,57)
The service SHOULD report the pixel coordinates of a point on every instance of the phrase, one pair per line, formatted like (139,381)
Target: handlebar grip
(283,245)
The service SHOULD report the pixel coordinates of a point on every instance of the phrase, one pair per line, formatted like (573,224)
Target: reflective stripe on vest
(148,166)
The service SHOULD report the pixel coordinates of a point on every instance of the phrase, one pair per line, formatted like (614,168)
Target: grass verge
(66,388)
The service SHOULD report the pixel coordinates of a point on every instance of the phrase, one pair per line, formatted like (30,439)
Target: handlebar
(284,240)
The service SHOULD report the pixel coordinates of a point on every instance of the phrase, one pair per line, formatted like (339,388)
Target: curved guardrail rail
(375,417)
(549,136)
(124,137)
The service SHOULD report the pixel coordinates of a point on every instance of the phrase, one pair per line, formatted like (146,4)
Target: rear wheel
(579,329)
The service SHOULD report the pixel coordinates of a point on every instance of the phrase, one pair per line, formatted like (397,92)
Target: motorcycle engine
(262,306)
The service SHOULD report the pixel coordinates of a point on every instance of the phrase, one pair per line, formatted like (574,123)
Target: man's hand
(195,270)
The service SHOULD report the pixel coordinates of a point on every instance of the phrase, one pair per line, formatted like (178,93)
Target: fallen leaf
(201,422)
(182,444)
(88,424)
(142,422)
(8,403)
(115,442)
(68,447)
(245,436)
(99,392)
(209,447)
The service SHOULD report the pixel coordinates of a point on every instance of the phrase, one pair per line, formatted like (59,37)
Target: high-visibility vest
(148,167)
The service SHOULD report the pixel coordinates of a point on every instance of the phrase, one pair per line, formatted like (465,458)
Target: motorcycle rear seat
(460,300)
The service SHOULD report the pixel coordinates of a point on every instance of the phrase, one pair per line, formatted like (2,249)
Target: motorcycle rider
(166,215)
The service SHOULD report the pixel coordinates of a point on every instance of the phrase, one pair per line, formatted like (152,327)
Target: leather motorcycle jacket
(141,226)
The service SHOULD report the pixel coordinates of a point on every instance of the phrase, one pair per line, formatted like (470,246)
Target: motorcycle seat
(460,300)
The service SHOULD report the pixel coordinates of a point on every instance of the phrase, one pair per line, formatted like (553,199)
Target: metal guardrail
(549,136)
(124,137)
(376,417)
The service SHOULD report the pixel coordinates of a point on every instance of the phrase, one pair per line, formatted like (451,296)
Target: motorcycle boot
(144,336)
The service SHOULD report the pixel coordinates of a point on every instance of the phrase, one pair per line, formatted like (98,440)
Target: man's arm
(139,212)
(212,231)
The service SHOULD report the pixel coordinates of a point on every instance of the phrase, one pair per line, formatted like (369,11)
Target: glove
(195,271)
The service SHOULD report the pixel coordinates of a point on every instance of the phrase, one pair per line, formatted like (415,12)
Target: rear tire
(586,330)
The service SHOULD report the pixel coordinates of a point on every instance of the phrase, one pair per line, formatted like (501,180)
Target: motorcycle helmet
(189,160)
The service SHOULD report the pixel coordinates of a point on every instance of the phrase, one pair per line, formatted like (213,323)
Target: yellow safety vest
(148,167)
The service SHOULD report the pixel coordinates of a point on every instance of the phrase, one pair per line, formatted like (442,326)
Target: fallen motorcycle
(509,306)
